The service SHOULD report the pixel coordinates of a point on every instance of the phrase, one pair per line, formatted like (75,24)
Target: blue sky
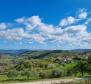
(45,24)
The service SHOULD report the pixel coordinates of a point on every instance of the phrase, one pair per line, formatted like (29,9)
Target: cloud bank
(71,31)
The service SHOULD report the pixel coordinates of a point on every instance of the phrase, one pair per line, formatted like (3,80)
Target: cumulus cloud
(20,20)
(12,34)
(75,29)
(3,26)
(67,21)
(82,14)
(69,31)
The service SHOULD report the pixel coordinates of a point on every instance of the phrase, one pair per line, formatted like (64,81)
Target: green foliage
(56,73)
(44,74)
(69,69)
(12,74)
(23,64)
(89,59)
(81,67)
(45,64)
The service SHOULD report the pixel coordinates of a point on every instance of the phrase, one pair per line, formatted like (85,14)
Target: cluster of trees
(27,68)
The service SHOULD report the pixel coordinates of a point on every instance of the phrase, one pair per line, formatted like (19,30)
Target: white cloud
(82,14)
(70,32)
(20,20)
(63,22)
(67,21)
(38,38)
(34,20)
(75,29)
(3,26)
(70,20)
(13,34)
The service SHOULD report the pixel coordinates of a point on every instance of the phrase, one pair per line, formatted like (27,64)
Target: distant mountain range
(13,52)
(81,50)
(22,51)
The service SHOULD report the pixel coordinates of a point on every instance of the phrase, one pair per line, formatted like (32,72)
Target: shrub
(56,73)
(12,74)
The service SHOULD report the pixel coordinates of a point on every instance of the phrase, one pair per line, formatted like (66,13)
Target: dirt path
(52,81)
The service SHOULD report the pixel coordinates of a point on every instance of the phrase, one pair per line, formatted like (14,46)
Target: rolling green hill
(34,65)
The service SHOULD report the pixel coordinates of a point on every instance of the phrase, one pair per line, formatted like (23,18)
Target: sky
(45,24)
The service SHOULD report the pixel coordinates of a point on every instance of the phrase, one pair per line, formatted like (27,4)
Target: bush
(29,74)
(44,74)
(12,74)
(56,73)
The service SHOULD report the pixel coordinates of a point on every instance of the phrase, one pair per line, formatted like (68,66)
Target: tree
(89,59)
(26,73)
(43,74)
(82,66)
(23,65)
(30,74)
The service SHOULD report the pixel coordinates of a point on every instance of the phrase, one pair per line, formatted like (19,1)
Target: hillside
(27,51)
(34,65)
(13,52)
